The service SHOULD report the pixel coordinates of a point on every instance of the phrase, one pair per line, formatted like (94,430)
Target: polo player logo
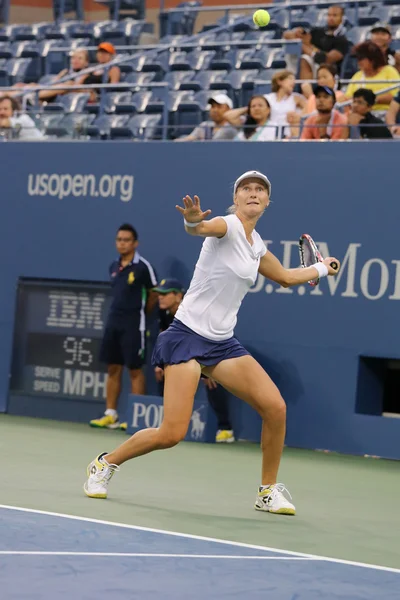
(131,277)
(197,424)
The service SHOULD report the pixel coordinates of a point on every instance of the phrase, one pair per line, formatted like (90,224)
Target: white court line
(147,555)
(203,539)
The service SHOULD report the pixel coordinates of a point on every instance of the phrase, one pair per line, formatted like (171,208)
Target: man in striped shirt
(132,280)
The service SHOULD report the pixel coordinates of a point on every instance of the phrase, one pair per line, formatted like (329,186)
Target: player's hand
(210,383)
(159,374)
(328,261)
(192,211)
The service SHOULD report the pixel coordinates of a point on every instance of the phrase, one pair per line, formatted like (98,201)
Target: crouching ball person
(201,340)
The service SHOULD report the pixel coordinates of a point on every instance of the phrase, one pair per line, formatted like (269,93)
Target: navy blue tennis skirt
(179,344)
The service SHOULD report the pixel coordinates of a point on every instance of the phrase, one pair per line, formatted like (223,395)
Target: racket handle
(334,265)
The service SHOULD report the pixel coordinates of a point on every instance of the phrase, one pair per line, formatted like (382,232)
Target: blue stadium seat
(4,79)
(119,103)
(276,59)
(140,100)
(239,85)
(6,50)
(394,18)
(365,17)
(256,60)
(357,34)
(74,103)
(21,32)
(200,59)
(178,61)
(68,6)
(77,29)
(206,80)
(101,126)
(185,117)
(118,7)
(179,23)
(140,127)
(260,36)
(140,78)
(21,70)
(177,78)
(349,67)
(48,122)
(26,49)
(224,61)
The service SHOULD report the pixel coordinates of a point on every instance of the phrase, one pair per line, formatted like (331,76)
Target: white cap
(221,99)
(254,175)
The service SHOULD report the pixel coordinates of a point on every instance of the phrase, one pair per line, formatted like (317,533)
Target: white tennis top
(227,267)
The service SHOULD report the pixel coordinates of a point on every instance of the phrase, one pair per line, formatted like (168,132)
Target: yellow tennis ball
(261,18)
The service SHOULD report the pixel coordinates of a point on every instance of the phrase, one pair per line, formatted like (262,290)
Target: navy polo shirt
(130,286)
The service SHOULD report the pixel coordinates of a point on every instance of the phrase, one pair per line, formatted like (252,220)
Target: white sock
(110,412)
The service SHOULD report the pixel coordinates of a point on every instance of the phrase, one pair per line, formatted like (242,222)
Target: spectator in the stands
(253,121)
(217,128)
(326,75)
(328,123)
(373,69)
(393,115)
(79,60)
(284,103)
(14,125)
(381,35)
(105,54)
(362,122)
(321,45)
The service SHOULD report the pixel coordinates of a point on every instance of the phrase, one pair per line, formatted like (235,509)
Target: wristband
(191,224)
(321,268)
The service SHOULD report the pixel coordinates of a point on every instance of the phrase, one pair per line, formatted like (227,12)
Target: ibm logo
(79,310)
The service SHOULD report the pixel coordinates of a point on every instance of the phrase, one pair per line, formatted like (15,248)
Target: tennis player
(201,340)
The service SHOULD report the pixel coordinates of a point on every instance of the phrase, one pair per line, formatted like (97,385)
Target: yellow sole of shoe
(281,511)
(101,496)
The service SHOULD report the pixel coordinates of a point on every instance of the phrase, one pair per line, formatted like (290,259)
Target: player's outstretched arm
(273,269)
(194,219)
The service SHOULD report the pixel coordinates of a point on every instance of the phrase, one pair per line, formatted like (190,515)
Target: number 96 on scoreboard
(57,338)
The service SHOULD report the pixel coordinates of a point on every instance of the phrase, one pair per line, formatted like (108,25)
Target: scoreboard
(57,336)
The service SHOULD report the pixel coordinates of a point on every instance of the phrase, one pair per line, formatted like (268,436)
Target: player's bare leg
(181,383)
(245,378)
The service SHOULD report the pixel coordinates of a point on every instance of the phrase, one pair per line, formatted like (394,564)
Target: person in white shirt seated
(253,121)
(284,103)
(18,126)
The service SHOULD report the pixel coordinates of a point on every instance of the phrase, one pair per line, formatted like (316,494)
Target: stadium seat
(176,78)
(101,126)
(21,70)
(255,59)
(140,127)
(6,50)
(200,59)
(224,61)
(205,80)
(179,23)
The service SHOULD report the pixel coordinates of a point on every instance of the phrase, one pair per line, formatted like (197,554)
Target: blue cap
(326,90)
(169,285)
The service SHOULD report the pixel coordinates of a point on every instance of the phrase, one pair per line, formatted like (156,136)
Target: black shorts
(123,344)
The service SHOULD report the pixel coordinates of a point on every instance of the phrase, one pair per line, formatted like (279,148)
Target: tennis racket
(309,255)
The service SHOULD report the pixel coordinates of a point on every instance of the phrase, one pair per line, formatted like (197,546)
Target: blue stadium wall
(62,202)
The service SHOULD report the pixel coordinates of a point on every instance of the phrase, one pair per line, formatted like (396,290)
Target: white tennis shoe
(99,473)
(271,499)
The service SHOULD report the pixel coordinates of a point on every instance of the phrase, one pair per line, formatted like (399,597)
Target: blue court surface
(46,556)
